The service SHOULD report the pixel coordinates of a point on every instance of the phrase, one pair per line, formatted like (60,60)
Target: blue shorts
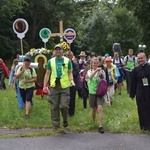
(27,94)
(119,80)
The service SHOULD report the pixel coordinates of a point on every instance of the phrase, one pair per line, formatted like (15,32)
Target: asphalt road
(80,141)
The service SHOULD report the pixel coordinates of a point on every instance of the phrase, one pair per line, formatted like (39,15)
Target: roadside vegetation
(121,117)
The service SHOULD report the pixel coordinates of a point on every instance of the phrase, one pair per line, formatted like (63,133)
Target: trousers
(59,103)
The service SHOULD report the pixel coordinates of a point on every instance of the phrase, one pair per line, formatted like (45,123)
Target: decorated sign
(20,27)
(44,34)
(69,35)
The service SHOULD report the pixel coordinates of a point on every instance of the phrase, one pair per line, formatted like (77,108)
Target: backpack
(133,59)
(102,88)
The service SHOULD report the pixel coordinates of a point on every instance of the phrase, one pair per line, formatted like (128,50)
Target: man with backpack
(119,62)
(130,63)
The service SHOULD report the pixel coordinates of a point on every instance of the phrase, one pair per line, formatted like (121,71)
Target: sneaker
(65,124)
(55,128)
(101,130)
(26,116)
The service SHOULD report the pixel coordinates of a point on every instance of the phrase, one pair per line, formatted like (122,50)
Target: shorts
(119,80)
(95,100)
(27,94)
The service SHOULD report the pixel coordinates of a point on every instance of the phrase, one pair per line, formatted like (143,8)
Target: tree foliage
(98,24)
(8,10)
(108,26)
(141,9)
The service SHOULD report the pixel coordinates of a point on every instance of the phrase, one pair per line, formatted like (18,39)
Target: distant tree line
(98,24)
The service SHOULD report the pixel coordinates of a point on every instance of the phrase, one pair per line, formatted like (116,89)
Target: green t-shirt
(26,76)
(59,65)
(92,83)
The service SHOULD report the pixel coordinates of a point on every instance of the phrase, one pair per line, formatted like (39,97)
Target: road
(80,141)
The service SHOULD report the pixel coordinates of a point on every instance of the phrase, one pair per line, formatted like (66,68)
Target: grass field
(121,117)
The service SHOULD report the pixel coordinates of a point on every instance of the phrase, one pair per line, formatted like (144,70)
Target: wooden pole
(45,45)
(61,31)
(69,46)
(21,47)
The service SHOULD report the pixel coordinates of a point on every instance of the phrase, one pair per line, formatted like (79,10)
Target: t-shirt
(59,65)
(93,83)
(26,76)
(130,62)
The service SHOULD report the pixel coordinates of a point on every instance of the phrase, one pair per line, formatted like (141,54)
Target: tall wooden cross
(61,32)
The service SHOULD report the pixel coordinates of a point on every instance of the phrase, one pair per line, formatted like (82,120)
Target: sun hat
(82,53)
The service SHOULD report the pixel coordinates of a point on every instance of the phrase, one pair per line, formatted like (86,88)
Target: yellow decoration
(43,56)
(65,46)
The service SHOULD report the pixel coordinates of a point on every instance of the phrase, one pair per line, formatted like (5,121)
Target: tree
(8,9)
(141,9)
(124,28)
(108,25)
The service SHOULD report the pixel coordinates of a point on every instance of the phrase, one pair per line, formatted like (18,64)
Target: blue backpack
(102,88)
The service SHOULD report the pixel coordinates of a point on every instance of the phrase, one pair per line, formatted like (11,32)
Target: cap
(58,46)
(27,59)
(93,54)
(106,55)
(108,59)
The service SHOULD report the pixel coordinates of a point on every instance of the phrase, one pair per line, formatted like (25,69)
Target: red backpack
(102,88)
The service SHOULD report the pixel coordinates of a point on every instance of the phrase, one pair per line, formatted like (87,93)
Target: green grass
(121,117)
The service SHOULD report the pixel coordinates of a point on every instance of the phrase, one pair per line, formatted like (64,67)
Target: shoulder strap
(120,61)
(31,70)
(113,60)
(127,58)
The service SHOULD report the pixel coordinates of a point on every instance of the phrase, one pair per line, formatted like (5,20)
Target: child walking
(96,103)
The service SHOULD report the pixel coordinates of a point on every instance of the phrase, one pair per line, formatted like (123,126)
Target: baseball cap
(106,55)
(27,59)
(58,46)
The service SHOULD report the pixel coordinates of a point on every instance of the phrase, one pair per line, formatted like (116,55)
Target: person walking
(84,86)
(12,72)
(140,88)
(81,63)
(11,81)
(112,74)
(59,71)
(73,89)
(27,77)
(4,73)
(96,103)
(130,62)
(119,62)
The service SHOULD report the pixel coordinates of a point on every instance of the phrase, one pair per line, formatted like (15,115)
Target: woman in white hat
(82,60)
